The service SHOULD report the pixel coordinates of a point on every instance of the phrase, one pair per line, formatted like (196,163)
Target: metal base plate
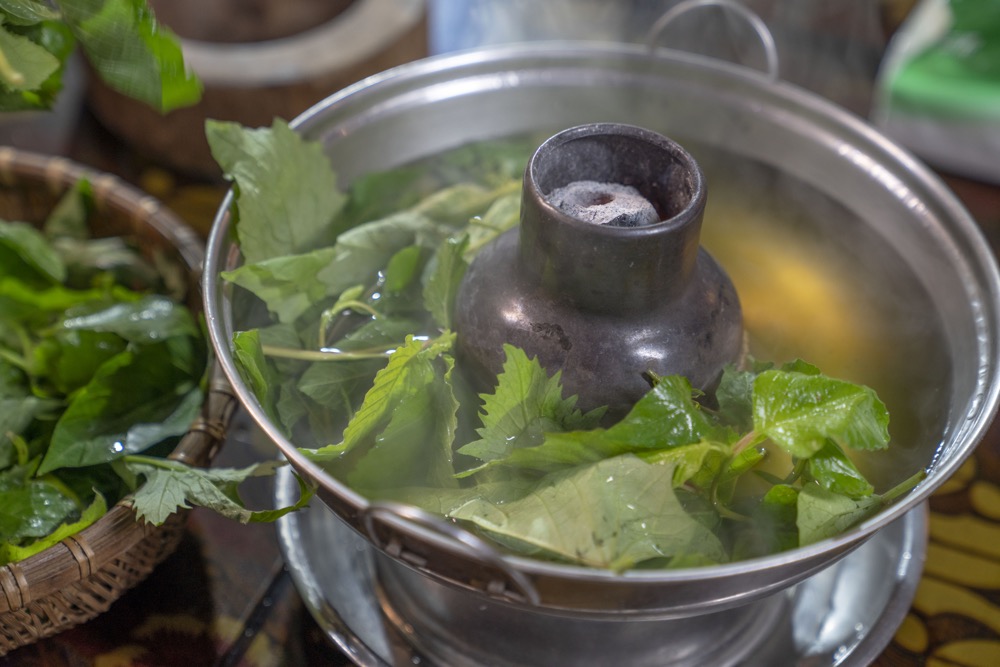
(842,616)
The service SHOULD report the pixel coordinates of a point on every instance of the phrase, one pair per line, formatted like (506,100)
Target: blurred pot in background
(259,59)
(830,48)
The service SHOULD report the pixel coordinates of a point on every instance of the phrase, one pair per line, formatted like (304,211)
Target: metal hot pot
(885,215)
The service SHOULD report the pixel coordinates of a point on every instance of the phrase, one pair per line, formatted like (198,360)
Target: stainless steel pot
(879,193)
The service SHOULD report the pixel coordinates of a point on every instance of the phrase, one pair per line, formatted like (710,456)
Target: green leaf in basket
(149,319)
(12,553)
(68,360)
(69,217)
(136,399)
(131,52)
(30,507)
(170,486)
(25,254)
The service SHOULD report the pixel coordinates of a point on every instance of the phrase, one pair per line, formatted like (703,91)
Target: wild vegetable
(346,342)
(120,38)
(101,372)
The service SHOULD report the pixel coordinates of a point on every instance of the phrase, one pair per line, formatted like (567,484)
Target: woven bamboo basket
(79,578)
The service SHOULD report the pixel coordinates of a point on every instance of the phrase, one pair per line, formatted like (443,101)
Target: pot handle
(475,546)
(766,38)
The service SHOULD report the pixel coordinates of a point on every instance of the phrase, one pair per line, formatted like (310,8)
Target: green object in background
(120,38)
(939,86)
(958,73)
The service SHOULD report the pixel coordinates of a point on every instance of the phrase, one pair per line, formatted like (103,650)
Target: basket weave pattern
(79,578)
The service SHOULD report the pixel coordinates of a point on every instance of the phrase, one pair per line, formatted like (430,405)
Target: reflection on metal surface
(842,616)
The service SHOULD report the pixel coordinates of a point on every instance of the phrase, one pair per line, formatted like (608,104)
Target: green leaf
(24,302)
(401,268)
(25,253)
(136,399)
(415,445)
(18,415)
(379,194)
(55,37)
(170,486)
(735,397)
(69,217)
(798,366)
(26,12)
(287,191)
(69,360)
(11,553)
(255,370)
(336,383)
(24,65)
(394,384)
(131,53)
(32,510)
(149,319)
(455,204)
(502,215)
(834,471)
(773,528)
(444,275)
(95,261)
(291,285)
(665,417)
(526,405)
(690,460)
(799,412)
(288,285)
(823,514)
(489,162)
(579,515)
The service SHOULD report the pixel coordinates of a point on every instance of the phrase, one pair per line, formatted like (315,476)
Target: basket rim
(110,191)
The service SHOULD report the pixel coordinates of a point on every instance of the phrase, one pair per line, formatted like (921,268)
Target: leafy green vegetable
(93,373)
(526,406)
(170,486)
(28,255)
(444,275)
(121,39)
(614,513)
(800,411)
(356,350)
(288,194)
(11,552)
(34,64)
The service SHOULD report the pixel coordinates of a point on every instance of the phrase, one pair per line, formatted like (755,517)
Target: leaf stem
(155,462)
(744,442)
(326,354)
(362,306)
(903,487)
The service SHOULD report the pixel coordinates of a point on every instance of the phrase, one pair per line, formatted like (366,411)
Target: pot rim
(864,146)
